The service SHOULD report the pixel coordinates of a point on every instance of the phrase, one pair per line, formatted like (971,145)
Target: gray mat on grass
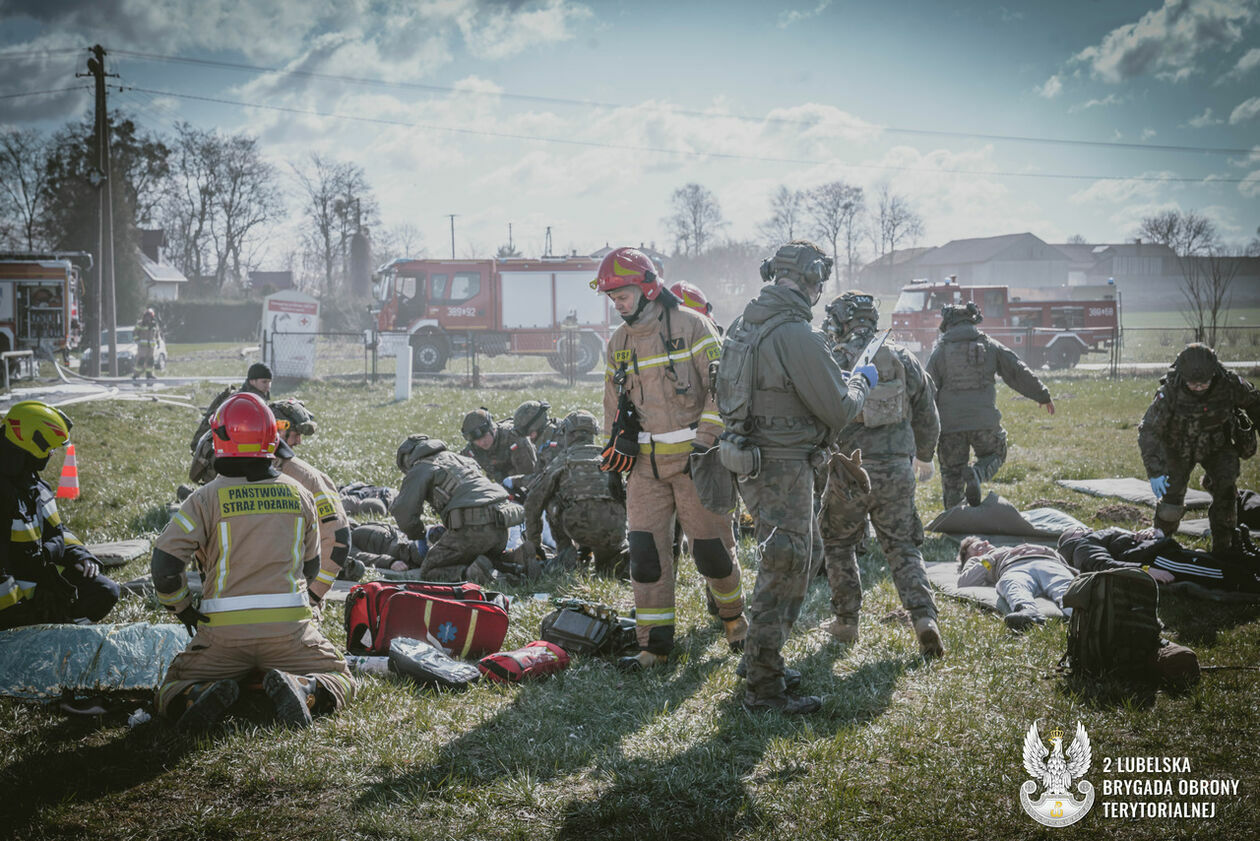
(944,577)
(1131,490)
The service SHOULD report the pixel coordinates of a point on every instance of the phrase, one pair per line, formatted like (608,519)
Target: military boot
(736,632)
(842,630)
(1023,619)
(207,702)
(642,661)
(352,570)
(930,644)
(292,696)
(786,704)
(791,677)
(971,485)
(480,571)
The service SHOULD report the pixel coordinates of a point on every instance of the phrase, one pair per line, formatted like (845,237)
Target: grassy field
(902,749)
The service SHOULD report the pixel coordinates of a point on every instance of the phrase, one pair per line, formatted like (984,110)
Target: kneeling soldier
(254,534)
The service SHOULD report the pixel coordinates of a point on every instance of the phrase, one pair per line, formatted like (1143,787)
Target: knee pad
(1169,513)
(645,563)
(712,559)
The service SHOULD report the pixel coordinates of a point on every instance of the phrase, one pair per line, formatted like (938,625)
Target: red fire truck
(1052,326)
(40,298)
(541,307)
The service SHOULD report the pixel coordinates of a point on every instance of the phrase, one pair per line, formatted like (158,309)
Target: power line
(41,53)
(39,93)
(661,150)
(588,103)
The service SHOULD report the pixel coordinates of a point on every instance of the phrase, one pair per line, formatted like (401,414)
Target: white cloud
(1167,41)
(1052,87)
(1249,61)
(1109,99)
(1119,191)
(792,16)
(1250,186)
(493,32)
(1204,120)
(1248,110)
(1148,133)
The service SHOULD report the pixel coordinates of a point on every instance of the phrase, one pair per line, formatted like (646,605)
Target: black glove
(190,616)
(53,596)
(620,454)
(696,449)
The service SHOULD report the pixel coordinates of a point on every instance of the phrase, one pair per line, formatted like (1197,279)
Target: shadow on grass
(152,520)
(1198,621)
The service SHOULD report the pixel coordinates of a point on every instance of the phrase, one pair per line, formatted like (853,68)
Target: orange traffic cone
(68,487)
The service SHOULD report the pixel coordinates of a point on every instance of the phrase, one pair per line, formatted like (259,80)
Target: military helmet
(530,416)
(36,427)
(852,310)
(799,259)
(1197,363)
(415,447)
(476,424)
(580,427)
(291,413)
(969,313)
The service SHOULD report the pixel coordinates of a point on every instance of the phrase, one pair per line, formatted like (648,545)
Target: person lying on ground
(1161,556)
(1019,573)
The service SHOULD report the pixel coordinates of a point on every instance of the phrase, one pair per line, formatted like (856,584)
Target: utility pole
(547,243)
(452,215)
(102,311)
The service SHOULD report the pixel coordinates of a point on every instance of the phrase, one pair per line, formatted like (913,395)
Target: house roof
(896,258)
(977,250)
(159,273)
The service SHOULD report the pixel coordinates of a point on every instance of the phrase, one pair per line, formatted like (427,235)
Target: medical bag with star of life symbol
(461,618)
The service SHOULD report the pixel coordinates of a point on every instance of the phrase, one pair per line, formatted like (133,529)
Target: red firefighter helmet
(244,427)
(691,296)
(628,267)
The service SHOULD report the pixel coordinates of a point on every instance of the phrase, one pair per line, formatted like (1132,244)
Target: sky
(1054,118)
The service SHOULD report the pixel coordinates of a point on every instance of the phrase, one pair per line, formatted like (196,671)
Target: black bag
(582,627)
(1114,629)
(429,665)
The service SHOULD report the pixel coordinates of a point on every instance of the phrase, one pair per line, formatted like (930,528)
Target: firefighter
(293,420)
(658,368)
(690,295)
(254,535)
(495,447)
(147,332)
(46,573)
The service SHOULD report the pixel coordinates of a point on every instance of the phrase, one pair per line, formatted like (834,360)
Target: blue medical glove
(868,371)
(1159,486)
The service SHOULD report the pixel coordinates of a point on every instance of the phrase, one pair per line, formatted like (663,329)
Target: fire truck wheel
(429,352)
(585,355)
(1064,355)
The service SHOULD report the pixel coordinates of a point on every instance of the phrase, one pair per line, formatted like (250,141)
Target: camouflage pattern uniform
(963,365)
(1182,428)
(898,422)
(509,454)
(475,511)
(585,505)
(800,400)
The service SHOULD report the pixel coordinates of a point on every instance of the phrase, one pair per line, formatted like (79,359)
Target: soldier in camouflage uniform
(533,426)
(496,447)
(898,425)
(475,511)
(585,505)
(963,365)
(1202,414)
(799,399)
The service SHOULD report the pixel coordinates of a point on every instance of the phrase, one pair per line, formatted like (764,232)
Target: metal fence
(1161,344)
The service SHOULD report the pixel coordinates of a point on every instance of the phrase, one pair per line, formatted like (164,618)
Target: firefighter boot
(736,632)
(292,696)
(207,702)
(930,644)
(642,661)
(791,677)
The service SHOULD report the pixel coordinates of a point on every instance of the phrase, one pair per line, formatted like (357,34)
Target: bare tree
(1253,247)
(248,198)
(1207,272)
(23,183)
(331,188)
(696,219)
(834,210)
(787,213)
(401,240)
(893,220)
(1076,239)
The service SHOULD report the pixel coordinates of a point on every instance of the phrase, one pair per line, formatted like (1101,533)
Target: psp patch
(623,355)
(713,352)
(237,500)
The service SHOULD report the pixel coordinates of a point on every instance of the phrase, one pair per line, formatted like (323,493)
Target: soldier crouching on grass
(254,534)
(1202,414)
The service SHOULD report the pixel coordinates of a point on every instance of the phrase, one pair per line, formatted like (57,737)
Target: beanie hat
(258,371)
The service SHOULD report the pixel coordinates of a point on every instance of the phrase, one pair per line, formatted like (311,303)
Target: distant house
(162,282)
(268,282)
(1007,260)
(890,272)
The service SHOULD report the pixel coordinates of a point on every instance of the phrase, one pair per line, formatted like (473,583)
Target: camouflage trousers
(452,556)
(595,524)
(954,449)
(781,501)
(890,507)
(656,492)
(1221,470)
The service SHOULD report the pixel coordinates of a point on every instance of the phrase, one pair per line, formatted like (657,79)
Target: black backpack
(1114,630)
(582,627)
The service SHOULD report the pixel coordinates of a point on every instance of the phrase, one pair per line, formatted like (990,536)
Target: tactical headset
(854,305)
(805,261)
(956,314)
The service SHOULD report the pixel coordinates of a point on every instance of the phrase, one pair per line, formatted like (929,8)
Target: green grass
(902,749)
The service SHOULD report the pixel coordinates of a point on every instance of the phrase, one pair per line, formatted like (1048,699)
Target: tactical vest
(736,380)
(582,478)
(968,365)
(450,474)
(888,402)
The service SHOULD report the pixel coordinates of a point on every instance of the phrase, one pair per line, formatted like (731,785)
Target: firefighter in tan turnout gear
(657,409)
(254,535)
